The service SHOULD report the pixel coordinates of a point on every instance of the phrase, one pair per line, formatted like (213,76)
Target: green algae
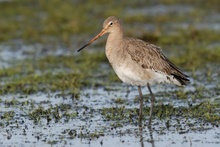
(8,115)
(49,74)
(205,111)
(119,101)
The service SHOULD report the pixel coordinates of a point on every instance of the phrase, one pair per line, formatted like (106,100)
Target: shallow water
(24,131)
(94,119)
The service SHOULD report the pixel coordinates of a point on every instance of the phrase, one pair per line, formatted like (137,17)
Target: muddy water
(80,130)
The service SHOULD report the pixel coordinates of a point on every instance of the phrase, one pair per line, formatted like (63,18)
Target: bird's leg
(152,105)
(141,105)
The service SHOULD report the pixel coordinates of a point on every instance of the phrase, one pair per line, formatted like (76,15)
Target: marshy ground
(51,95)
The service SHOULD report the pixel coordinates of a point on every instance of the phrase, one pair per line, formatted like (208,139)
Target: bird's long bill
(95,38)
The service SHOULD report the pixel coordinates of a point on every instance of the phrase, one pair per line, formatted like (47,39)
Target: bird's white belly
(128,75)
(141,77)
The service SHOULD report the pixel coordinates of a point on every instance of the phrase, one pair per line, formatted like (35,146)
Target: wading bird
(137,62)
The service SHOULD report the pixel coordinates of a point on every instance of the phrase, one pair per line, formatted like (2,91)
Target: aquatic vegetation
(57,98)
(49,74)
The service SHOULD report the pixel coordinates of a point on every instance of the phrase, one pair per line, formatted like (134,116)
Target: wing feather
(149,56)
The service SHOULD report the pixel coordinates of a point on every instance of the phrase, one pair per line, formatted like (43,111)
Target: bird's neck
(114,45)
(114,40)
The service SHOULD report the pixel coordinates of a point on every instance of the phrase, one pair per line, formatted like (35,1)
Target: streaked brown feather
(149,56)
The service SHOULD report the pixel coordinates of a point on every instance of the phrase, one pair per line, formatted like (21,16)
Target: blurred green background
(187,31)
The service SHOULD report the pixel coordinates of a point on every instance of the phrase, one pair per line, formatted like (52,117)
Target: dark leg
(152,105)
(141,105)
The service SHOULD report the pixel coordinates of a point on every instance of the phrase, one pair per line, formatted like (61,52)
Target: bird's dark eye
(111,23)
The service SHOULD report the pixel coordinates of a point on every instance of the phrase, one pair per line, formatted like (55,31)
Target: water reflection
(151,136)
(150,140)
(141,136)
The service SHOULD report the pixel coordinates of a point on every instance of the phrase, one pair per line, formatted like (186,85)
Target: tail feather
(178,75)
(183,78)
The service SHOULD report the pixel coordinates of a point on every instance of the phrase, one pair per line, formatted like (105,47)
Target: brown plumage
(137,62)
(149,56)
